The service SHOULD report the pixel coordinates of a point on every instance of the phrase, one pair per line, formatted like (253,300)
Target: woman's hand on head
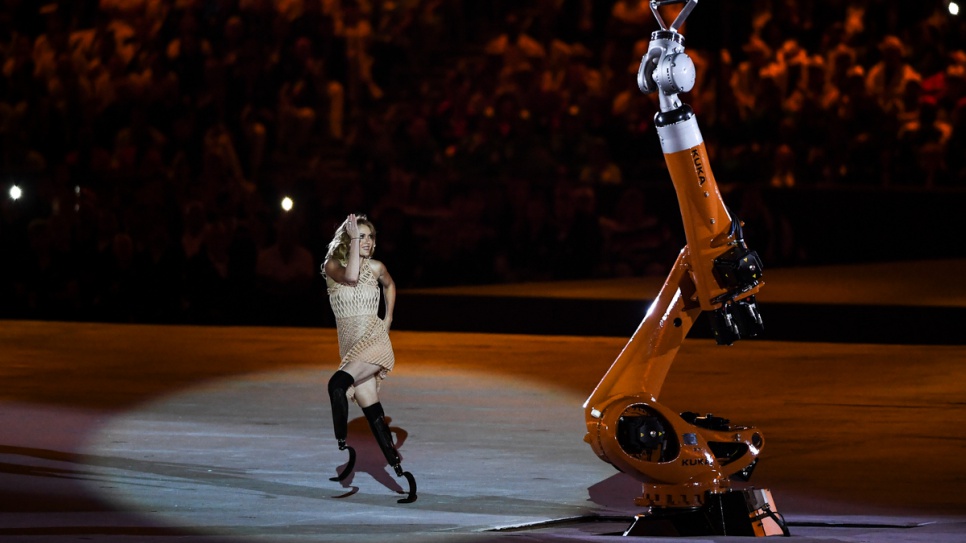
(352,226)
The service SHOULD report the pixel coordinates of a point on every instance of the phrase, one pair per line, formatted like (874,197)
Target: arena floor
(145,433)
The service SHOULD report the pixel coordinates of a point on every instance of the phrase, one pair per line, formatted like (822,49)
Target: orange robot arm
(680,458)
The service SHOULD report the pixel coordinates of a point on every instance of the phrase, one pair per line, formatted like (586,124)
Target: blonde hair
(339,246)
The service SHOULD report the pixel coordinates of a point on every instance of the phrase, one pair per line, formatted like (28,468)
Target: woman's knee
(367,393)
(361,370)
(340,382)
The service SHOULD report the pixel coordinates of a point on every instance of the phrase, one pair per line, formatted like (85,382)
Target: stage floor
(150,433)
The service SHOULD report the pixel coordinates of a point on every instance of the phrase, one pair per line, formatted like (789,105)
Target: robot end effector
(665,66)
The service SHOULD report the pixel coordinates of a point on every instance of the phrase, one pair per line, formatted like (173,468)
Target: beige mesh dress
(362,334)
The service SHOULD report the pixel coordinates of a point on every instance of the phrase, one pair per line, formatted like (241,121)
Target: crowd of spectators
(152,141)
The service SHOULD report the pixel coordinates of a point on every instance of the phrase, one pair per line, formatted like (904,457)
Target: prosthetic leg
(685,462)
(377,422)
(338,385)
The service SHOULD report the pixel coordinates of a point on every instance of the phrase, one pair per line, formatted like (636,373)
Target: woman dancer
(354,279)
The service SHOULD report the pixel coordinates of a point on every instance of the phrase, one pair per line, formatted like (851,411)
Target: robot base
(733,513)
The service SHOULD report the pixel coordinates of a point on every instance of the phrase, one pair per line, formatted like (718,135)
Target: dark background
(489,141)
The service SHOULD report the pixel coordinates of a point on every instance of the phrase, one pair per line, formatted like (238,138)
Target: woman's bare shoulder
(334,271)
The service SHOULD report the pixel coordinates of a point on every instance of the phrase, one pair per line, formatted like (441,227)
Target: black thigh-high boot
(377,422)
(338,385)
